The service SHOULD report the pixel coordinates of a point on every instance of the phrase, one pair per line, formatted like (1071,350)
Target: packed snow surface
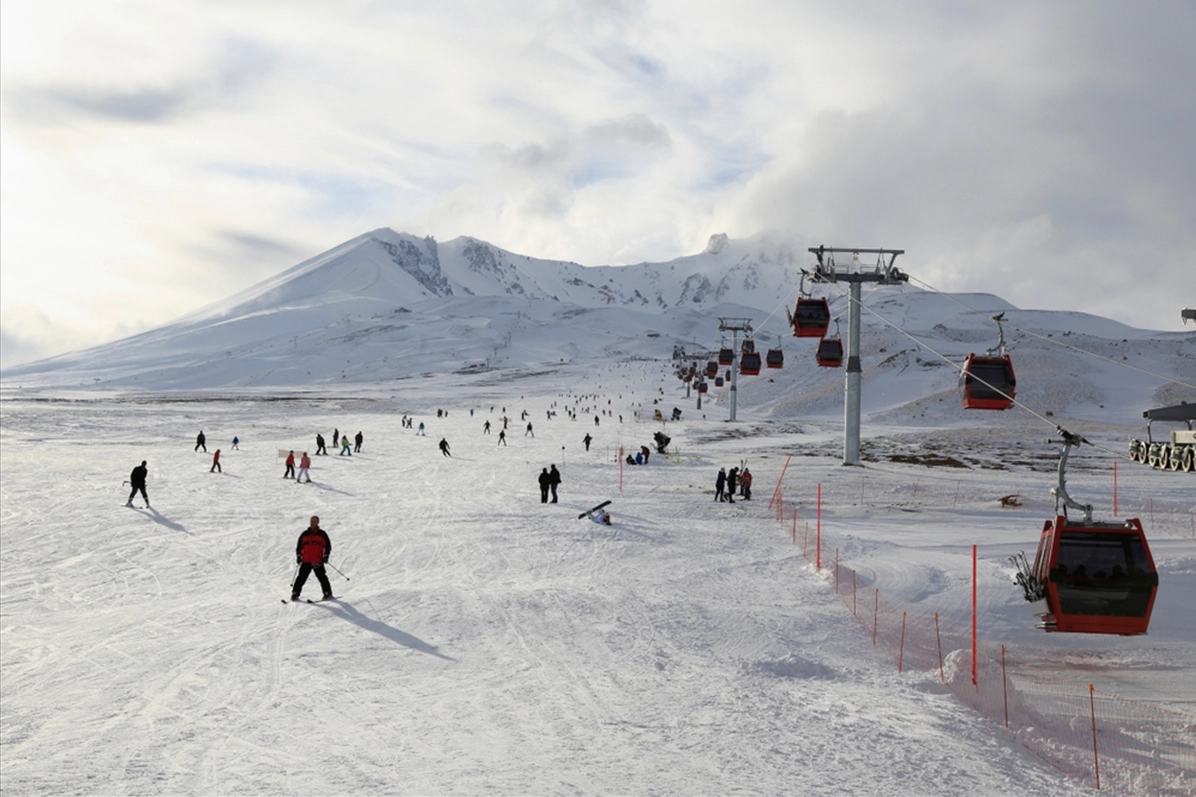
(485,643)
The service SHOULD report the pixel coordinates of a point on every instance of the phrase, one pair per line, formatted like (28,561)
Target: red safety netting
(1101,739)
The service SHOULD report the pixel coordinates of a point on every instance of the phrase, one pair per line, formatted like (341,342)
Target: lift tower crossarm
(885,273)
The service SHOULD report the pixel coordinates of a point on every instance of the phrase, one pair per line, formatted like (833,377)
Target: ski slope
(484,643)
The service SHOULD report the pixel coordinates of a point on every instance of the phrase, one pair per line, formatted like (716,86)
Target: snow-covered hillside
(387,306)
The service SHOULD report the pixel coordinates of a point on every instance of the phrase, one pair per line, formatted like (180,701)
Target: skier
(647,452)
(595,420)
(421,428)
(290,474)
(732,477)
(311,553)
(345,448)
(720,484)
(502,437)
(486,427)
(236,442)
(545,480)
(601,517)
(357,439)
(137,479)
(554,479)
(304,464)
(201,442)
(529,430)
(320,449)
(587,440)
(745,484)
(336,437)
(216,463)
(444,447)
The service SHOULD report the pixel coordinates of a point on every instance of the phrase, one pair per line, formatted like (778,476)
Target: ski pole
(294,575)
(330,564)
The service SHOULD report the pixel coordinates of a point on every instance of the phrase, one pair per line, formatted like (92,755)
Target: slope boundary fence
(1100,739)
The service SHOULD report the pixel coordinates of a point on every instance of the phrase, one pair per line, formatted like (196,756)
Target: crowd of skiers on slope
(314,546)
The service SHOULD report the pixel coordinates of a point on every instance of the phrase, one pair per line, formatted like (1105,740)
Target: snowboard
(592,511)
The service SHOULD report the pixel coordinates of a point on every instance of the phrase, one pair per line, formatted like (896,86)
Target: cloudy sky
(160,155)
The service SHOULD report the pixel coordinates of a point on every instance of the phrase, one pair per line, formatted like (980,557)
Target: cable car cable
(1122,363)
(1056,427)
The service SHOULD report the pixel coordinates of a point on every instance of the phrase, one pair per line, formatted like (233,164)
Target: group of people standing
(549,479)
(727,481)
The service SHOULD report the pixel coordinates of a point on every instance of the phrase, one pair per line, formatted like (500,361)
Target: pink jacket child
(216,463)
(304,464)
(290,466)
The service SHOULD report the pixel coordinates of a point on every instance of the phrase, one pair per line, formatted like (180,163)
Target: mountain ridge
(386,305)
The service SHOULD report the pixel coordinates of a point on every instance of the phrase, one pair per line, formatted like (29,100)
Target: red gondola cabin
(775,358)
(987,383)
(726,356)
(718,381)
(703,387)
(711,369)
(1098,578)
(830,353)
(811,318)
(749,363)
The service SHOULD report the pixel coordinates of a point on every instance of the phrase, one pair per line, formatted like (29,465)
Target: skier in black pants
(320,449)
(444,447)
(357,438)
(587,440)
(545,481)
(311,553)
(554,478)
(201,442)
(732,477)
(137,479)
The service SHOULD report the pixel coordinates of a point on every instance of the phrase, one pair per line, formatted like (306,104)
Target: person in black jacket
(545,480)
(201,442)
(137,479)
(311,553)
(357,438)
(320,446)
(554,478)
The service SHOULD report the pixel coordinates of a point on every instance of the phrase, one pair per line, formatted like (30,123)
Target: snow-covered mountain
(388,305)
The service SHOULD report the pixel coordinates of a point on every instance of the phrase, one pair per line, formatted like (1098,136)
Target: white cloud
(161,156)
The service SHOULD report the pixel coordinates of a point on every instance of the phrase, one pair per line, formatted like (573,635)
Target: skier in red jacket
(311,553)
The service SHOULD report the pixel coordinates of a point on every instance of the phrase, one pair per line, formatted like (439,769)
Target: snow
(484,643)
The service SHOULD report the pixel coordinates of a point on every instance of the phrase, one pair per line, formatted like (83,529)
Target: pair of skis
(309,600)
